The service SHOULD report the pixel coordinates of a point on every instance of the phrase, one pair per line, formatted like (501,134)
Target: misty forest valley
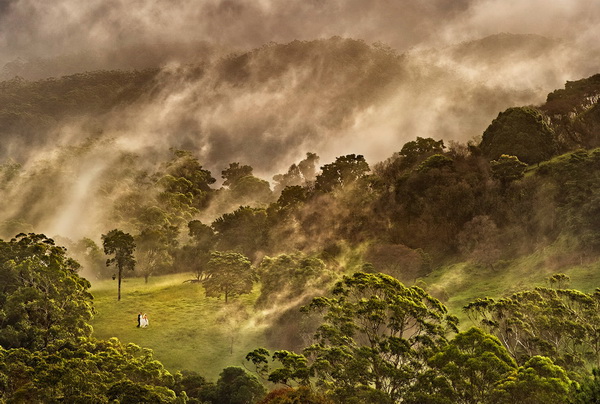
(344,202)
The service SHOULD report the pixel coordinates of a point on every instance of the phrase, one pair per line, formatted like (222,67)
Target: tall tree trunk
(119,287)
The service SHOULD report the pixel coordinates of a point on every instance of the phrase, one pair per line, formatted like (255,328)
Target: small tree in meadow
(230,274)
(122,246)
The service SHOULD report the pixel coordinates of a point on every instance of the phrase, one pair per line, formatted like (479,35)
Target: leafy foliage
(479,241)
(234,173)
(537,381)
(88,371)
(376,334)
(187,180)
(343,172)
(562,324)
(507,169)
(122,245)
(242,230)
(229,274)
(302,395)
(589,390)
(298,175)
(466,370)
(42,298)
(576,177)
(288,276)
(419,149)
(236,386)
(520,132)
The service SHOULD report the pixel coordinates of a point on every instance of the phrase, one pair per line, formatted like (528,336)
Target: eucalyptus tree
(464,371)
(345,170)
(229,274)
(376,335)
(122,246)
(42,297)
(562,324)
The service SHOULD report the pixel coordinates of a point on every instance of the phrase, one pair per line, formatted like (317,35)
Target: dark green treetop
(42,298)
(520,132)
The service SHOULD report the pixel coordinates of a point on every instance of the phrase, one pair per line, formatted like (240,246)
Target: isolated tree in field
(121,245)
(153,253)
(196,255)
(230,274)
(231,318)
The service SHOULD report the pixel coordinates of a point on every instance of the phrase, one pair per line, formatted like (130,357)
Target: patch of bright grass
(187,331)
(191,332)
(459,284)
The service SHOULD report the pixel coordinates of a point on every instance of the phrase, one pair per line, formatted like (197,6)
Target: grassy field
(187,331)
(191,332)
(458,284)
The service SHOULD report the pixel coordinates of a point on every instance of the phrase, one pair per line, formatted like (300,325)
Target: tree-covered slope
(464,224)
(270,105)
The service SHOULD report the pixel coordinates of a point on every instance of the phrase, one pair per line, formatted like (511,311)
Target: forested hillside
(349,258)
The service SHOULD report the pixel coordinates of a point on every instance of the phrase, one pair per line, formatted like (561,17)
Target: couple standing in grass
(142,320)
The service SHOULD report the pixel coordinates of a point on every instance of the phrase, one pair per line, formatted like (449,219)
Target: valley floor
(186,331)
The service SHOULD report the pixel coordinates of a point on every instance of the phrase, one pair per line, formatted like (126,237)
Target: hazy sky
(445,94)
(466,95)
(45,28)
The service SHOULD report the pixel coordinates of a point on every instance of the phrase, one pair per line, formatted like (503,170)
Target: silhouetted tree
(344,171)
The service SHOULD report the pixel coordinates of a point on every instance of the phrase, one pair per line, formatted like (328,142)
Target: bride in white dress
(144,321)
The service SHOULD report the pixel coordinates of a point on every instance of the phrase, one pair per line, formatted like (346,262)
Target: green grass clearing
(187,331)
(191,332)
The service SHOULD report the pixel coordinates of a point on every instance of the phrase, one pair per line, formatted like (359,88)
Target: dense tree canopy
(288,277)
(372,342)
(88,371)
(562,324)
(229,274)
(343,172)
(520,132)
(243,230)
(42,298)
(466,370)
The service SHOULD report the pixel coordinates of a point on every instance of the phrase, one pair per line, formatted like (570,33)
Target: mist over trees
(334,249)
(429,201)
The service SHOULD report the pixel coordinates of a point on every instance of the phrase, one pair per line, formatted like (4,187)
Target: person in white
(144,321)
